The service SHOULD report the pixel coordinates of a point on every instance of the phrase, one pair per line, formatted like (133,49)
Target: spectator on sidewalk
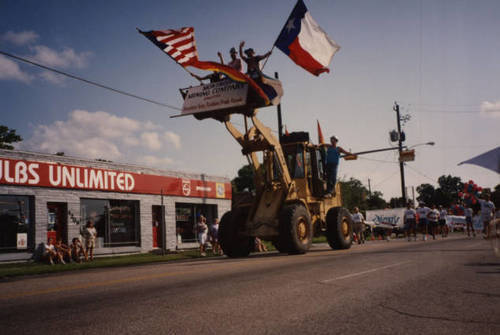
(359,225)
(409,218)
(468,221)
(443,227)
(63,250)
(214,237)
(487,213)
(432,219)
(422,212)
(202,233)
(90,235)
(49,253)
(77,250)
(259,246)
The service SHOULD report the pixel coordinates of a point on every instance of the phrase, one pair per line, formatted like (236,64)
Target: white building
(43,196)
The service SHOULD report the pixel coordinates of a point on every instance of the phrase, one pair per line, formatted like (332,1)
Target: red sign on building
(57,175)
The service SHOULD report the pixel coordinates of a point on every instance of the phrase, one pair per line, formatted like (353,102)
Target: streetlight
(409,155)
(417,145)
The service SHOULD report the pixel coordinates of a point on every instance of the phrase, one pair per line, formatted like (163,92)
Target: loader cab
(305,162)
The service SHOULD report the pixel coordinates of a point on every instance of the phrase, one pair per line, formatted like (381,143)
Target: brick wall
(72,198)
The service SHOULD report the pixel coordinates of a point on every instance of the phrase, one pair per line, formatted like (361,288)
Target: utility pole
(280,123)
(369,188)
(400,148)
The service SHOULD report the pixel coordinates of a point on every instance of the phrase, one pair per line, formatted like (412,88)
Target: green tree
(375,201)
(426,194)
(448,190)
(8,136)
(244,180)
(355,194)
(397,202)
(445,194)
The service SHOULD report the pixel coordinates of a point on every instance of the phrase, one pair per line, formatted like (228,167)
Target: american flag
(178,44)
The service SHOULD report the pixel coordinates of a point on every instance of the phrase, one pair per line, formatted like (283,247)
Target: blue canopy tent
(489,160)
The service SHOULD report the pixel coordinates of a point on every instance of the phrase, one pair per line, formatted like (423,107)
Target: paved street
(449,286)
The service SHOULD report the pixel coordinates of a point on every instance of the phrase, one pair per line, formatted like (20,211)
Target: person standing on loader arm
(332,165)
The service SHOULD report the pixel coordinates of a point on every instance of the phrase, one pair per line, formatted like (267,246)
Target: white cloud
(153,161)
(102,135)
(67,58)
(10,70)
(173,138)
(52,77)
(151,140)
(491,109)
(20,38)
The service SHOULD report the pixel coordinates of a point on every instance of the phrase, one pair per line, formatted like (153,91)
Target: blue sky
(438,59)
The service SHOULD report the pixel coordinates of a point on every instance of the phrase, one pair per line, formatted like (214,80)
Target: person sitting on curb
(63,250)
(49,252)
(77,250)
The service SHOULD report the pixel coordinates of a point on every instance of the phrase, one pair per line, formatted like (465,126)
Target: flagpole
(265,62)
(277,38)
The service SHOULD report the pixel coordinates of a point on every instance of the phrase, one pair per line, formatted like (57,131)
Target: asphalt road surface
(449,286)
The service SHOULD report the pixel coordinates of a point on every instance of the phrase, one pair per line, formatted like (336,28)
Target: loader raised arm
(288,207)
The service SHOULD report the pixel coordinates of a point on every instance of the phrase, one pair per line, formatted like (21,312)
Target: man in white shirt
(410,221)
(359,225)
(487,213)
(443,213)
(422,212)
(433,217)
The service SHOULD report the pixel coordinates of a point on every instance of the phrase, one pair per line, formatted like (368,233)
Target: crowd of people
(55,251)
(431,221)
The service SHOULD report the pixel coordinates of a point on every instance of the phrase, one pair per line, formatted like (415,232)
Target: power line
(89,81)
(454,112)
(386,179)
(421,174)
(436,105)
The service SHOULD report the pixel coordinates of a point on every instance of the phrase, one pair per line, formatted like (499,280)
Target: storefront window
(185,218)
(116,221)
(15,223)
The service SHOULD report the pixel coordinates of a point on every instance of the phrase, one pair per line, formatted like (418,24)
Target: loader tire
(231,241)
(339,228)
(295,230)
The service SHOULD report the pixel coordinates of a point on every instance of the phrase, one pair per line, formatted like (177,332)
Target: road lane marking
(363,272)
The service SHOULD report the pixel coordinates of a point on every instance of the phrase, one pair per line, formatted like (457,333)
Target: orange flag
(286,131)
(321,140)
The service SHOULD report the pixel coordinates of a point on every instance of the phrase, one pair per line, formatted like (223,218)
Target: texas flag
(303,40)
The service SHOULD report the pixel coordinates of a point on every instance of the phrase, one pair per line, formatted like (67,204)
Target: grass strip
(11,270)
